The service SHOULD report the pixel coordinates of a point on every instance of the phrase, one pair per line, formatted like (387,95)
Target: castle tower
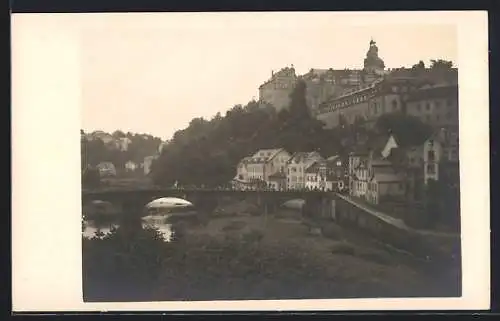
(372,62)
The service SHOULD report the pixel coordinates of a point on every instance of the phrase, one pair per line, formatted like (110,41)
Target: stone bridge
(318,205)
(134,200)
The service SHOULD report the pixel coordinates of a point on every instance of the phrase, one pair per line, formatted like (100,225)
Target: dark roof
(278,174)
(374,144)
(410,141)
(303,156)
(442,90)
(314,167)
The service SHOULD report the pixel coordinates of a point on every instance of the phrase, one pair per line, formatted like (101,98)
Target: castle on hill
(331,90)
(322,84)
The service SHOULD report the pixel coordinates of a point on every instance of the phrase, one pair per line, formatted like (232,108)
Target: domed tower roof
(372,62)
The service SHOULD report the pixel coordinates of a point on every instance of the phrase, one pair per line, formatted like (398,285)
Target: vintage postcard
(250,161)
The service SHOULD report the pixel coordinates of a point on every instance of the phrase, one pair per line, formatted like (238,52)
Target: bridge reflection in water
(96,229)
(102,217)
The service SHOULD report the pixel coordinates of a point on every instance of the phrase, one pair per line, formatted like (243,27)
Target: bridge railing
(201,189)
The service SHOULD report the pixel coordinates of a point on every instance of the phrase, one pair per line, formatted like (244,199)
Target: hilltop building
(321,83)
(277,89)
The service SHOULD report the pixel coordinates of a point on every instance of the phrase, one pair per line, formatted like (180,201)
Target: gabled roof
(333,158)
(314,166)
(244,160)
(439,90)
(269,154)
(304,157)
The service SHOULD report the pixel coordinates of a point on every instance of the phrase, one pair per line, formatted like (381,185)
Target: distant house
(105,137)
(241,181)
(148,161)
(124,143)
(316,176)
(161,147)
(382,185)
(265,168)
(130,166)
(402,167)
(297,166)
(327,175)
(106,169)
(336,173)
(371,175)
(277,181)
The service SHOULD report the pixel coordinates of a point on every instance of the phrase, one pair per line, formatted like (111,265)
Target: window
(400,185)
(427,106)
(431,169)
(394,104)
(431,156)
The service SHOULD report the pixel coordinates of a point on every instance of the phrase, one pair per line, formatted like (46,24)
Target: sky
(153,73)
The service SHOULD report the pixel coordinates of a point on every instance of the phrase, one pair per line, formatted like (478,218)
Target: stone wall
(421,245)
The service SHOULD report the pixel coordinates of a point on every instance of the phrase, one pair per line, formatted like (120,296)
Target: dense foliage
(208,151)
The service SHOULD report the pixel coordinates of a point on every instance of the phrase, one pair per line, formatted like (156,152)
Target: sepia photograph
(268,156)
(306,171)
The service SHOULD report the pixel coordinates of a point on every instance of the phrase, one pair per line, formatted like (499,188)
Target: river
(93,229)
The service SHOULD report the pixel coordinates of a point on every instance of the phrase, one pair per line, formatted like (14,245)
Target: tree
(207,152)
(118,134)
(91,178)
(408,130)
(441,64)
(420,65)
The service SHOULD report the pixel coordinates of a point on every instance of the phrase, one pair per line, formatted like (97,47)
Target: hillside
(207,151)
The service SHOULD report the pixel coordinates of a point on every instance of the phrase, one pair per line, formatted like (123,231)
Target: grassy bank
(246,257)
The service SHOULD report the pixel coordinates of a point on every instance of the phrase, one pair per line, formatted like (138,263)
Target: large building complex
(321,83)
(341,97)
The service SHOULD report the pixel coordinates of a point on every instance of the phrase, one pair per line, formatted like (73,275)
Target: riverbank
(264,257)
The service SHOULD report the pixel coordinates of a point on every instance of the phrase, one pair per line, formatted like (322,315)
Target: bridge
(318,205)
(206,200)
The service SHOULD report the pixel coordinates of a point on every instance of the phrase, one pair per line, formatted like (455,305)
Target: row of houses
(121,143)
(383,169)
(390,169)
(108,169)
(277,169)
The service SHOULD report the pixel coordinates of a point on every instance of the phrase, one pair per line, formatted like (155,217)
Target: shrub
(122,259)
(234,225)
(253,236)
